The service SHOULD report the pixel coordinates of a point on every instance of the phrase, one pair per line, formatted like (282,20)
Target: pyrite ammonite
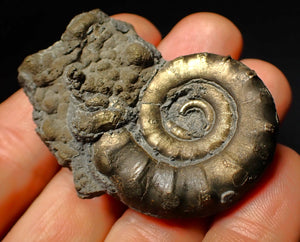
(180,138)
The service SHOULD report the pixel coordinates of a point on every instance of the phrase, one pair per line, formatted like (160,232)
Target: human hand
(38,201)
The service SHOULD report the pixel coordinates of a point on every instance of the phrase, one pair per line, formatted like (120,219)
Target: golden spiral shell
(204,134)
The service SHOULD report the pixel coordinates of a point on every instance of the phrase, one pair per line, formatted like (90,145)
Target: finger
(142,26)
(271,212)
(275,81)
(59,215)
(202,32)
(26,165)
(133,226)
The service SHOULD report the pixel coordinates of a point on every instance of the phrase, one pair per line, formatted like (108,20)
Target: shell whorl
(198,142)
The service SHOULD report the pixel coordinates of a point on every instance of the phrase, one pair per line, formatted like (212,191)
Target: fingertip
(275,81)
(202,32)
(142,26)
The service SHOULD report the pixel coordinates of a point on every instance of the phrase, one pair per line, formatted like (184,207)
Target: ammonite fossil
(180,138)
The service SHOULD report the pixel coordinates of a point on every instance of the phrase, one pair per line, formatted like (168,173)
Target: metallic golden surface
(205,133)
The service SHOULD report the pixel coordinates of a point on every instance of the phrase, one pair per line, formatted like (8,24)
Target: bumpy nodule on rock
(183,138)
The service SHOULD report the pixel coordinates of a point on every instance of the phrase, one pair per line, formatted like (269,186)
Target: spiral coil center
(199,118)
(186,115)
(190,121)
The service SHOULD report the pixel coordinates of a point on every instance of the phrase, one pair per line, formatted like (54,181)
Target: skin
(38,201)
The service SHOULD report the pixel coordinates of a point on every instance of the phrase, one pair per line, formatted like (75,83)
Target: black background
(270,29)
